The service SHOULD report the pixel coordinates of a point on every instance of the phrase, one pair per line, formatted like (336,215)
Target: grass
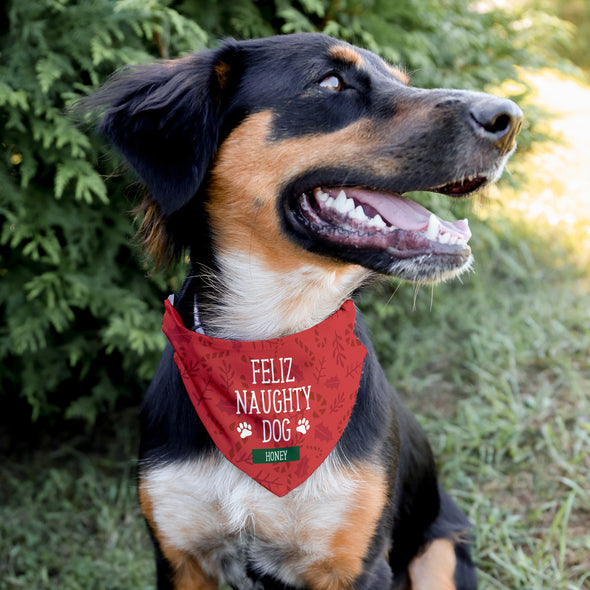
(496,367)
(69,516)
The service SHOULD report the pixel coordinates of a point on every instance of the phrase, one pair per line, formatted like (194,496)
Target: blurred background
(497,365)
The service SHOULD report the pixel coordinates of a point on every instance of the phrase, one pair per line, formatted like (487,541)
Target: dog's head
(298,150)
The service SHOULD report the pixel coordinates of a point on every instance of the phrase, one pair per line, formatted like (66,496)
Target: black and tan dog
(279,164)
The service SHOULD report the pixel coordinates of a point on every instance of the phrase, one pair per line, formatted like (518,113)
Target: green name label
(275,455)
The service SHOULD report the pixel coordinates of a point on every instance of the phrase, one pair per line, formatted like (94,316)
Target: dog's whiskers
(417,286)
(394,293)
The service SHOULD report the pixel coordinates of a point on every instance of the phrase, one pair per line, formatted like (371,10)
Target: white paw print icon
(244,429)
(303,425)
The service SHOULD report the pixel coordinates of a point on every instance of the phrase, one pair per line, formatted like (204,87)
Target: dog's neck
(245,300)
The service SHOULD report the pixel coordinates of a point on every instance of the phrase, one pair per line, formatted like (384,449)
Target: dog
(280,166)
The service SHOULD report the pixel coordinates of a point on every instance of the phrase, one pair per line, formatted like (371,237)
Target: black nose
(497,119)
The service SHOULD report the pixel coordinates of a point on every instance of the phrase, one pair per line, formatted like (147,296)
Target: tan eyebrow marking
(347,54)
(399,74)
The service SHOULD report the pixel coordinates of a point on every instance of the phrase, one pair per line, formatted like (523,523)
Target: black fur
(175,104)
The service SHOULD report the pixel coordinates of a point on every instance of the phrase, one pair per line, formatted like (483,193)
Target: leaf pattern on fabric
(275,408)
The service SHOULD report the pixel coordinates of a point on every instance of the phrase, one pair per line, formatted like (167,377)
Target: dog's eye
(332,82)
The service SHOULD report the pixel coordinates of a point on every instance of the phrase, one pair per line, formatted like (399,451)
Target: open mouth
(379,229)
(371,219)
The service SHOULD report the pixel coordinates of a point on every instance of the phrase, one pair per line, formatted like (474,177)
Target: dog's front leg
(176,569)
(186,574)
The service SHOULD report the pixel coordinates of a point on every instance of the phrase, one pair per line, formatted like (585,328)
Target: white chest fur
(211,510)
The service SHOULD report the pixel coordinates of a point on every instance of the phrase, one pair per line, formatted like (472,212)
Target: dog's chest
(211,510)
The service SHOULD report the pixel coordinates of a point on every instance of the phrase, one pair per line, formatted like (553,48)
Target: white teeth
(359,214)
(435,233)
(340,201)
(321,195)
(377,221)
(346,206)
(433,228)
(343,204)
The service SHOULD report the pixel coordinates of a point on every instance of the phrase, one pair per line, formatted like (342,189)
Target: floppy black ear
(165,119)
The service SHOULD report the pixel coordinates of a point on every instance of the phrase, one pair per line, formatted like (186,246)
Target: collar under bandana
(275,408)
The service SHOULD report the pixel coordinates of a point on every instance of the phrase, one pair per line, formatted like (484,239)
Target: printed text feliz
(271,371)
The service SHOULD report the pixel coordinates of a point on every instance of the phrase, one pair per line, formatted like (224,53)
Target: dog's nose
(497,119)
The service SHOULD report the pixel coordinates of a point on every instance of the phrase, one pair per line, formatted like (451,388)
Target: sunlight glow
(558,190)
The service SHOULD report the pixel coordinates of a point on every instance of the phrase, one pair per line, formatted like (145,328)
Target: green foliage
(69,518)
(455,43)
(81,322)
(576,16)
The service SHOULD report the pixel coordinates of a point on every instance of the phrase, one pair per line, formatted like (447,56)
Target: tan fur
(188,573)
(244,189)
(222,69)
(399,74)
(347,54)
(351,541)
(153,235)
(435,568)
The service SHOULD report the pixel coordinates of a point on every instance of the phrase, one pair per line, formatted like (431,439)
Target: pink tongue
(406,214)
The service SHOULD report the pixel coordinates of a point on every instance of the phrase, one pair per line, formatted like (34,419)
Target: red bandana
(275,408)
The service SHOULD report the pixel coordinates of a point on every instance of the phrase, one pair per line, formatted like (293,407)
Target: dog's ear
(165,120)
